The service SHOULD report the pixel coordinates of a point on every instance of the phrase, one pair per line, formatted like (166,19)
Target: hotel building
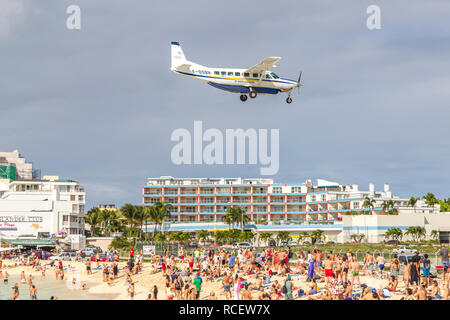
(39,208)
(207,199)
(201,203)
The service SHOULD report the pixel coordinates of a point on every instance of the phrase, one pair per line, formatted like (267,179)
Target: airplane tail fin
(178,58)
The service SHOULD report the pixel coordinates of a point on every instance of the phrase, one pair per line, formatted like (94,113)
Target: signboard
(27,223)
(149,250)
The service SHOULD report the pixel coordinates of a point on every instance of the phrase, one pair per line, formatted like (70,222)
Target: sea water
(48,287)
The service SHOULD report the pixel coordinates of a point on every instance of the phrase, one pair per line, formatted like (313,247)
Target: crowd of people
(246,274)
(270,274)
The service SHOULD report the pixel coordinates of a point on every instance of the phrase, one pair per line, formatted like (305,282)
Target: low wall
(102,242)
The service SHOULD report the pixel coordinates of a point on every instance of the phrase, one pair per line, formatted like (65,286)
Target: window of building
(296,189)
(355,205)
(72,197)
(277,190)
(323,197)
(313,198)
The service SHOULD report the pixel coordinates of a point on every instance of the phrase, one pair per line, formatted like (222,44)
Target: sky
(98,105)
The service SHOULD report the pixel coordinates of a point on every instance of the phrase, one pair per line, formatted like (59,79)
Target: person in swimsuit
(355,271)
(132,291)
(33,292)
(15,294)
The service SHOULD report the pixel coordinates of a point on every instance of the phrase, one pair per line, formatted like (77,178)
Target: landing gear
(252,94)
(288,99)
(243,97)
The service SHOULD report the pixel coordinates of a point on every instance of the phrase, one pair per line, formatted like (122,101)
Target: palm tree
(129,213)
(282,236)
(158,213)
(236,215)
(246,236)
(394,233)
(265,236)
(114,222)
(434,234)
(357,237)
(387,205)
(412,202)
(302,236)
(175,236)
(316,235)
(92,218)
(416,232)
(202,235)
(369,203)
(185,236)
(430,199)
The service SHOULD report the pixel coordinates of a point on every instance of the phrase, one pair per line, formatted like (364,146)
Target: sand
(144,282)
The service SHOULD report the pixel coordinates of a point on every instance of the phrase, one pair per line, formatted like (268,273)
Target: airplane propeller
(298,82)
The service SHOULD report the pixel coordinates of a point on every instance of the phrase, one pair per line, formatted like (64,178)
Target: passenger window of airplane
(237,74)
(246,74)
(230,73)
(216,73)
(223,73)
(255,75)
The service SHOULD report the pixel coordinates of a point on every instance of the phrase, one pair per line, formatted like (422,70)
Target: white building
(337,209)
(42,208)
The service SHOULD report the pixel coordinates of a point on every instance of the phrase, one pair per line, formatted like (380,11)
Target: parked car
(193,244)
(103,258)
(44,255)
(65,256)
(284,243)
(404,250)
(243,245)
(89,251)
(394,242)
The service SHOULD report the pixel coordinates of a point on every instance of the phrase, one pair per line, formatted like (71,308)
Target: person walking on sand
(355,271)
(15,294)
(33,292)
(132,291)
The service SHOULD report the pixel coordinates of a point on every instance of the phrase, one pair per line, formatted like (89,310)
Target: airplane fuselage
(237,79)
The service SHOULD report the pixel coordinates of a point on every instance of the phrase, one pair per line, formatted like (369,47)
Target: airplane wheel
(252,94)
(288,99)
(243,97)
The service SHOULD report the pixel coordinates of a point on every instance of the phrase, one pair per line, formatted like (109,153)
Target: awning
(29,242)
(7,249)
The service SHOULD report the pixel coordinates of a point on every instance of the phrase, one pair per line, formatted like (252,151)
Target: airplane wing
(265,64)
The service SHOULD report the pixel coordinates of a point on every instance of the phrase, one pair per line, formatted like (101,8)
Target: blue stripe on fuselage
(243,89)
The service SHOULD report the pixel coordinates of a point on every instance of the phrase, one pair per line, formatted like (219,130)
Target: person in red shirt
(131,252)
(163,266)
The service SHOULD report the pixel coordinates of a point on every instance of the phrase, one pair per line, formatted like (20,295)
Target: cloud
(11,13)
(98,105)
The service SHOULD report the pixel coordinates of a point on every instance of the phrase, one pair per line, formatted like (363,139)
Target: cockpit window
(274,75)
(268,76)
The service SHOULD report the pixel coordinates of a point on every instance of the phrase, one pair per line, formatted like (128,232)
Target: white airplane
(254,80)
